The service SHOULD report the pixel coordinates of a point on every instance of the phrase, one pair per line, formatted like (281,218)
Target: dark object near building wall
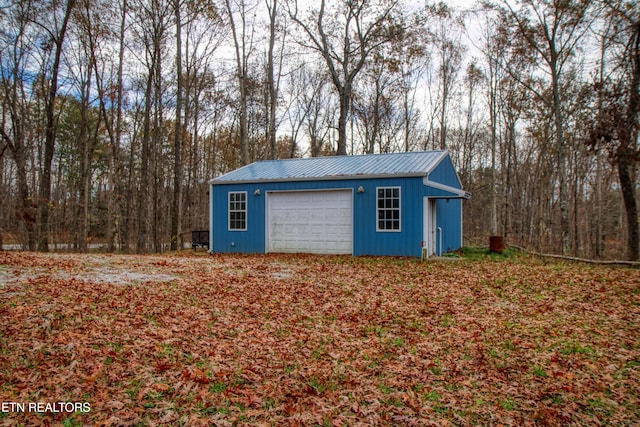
(200,239)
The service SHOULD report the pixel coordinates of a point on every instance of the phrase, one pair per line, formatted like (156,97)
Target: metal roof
(336,167)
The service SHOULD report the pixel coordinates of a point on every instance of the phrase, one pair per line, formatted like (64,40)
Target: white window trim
(246,208)
(382,230)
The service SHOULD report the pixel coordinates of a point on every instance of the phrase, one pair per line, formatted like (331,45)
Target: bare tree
(448,52)
(204,30)
(356,29)
(492,42)
(110,98)
(618,110)
(57,33)
(152,29)
(309,109)
(176,204)
(375,103)
(414,57)
(316,104)
(85,34)
(18,40)
(551,31)
(242,41)
(273,74)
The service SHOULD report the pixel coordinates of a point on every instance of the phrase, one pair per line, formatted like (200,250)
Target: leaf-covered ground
(305,340)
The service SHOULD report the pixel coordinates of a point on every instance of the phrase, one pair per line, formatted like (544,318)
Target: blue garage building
(379,204)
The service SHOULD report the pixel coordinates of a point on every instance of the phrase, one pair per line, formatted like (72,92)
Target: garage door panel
(312,221)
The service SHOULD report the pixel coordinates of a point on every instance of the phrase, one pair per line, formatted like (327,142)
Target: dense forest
(115,114)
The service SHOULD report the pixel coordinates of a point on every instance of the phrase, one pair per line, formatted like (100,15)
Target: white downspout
(440,231)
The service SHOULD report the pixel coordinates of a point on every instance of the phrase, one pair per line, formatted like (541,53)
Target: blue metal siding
(449,218)
(252,239)
(445,174)
(366,240)
(448,210)
(406,242)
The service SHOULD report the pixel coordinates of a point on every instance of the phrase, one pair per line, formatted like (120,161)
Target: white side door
(430,225)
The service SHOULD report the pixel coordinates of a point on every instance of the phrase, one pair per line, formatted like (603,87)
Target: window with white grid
(238,211)
(388,206)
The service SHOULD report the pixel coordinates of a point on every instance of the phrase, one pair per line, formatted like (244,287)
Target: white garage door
(318,222)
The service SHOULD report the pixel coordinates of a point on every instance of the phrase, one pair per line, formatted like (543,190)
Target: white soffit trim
(460,193)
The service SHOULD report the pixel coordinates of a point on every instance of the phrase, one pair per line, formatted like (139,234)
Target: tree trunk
(115,171)
(143,196)
(627,186)
(375,128)
(157,225)
(28,209)
(241,70)
(176,204)
(406,119)
(271,83)
(443,113)
(561,164)
(627,151)
(50,135)
(345,102)
(83,140)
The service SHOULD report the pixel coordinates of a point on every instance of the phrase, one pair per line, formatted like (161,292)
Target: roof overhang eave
(215,181)
(457,192)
